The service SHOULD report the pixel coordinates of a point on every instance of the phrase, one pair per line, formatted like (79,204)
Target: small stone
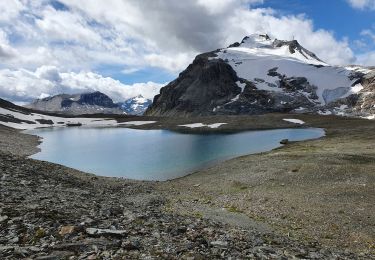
(65,230)
(3,218)
(92,257)
(14,240)
(131,245)
(284,141)
(314,255)
(182,229)
(105,232)
(219,243)
(6,248)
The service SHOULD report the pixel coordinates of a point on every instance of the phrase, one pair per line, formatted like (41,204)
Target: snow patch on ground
(370,117)
(295,121)
(357,88)
(325,112)
(58,121)
(358,69)
(137,122)
(196,125)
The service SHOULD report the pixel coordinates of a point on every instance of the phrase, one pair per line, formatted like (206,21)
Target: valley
(279,203)
(311,199)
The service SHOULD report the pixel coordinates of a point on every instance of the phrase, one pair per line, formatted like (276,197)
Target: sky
(124,48)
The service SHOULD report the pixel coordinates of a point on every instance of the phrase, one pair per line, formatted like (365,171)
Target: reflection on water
(154,154)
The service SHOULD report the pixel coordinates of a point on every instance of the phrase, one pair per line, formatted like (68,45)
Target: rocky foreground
(53,212)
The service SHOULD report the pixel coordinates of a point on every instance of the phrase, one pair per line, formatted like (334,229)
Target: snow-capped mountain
(18,117)
(261,75)
(136,105)
(86,103)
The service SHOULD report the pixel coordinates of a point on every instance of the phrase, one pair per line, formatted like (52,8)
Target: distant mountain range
(90,103)
(136,105)
(18,117)
(262,75)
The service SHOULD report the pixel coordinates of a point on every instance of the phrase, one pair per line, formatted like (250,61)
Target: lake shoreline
(194,215)
(157,155)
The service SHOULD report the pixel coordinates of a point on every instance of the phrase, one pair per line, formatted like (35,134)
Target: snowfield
(137,122)
(253,59)
(55,121)
(295,121)
(30,121)
(196,125)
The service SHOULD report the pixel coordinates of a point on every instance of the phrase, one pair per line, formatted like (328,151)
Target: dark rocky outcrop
(91,99)
(204,85)
(294,46)
(210,87)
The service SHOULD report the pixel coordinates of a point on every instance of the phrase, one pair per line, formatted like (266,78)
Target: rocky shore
(49,211)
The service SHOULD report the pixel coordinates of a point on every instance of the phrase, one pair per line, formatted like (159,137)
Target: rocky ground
(50,211)
(320,190)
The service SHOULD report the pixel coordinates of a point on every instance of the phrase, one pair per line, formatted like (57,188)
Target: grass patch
(233,209)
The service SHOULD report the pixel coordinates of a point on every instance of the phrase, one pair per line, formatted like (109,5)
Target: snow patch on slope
(256,56)
(196,125)
(137,123)
(295,121)
(56,121)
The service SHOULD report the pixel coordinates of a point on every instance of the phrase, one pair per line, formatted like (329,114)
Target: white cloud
(129,71)
(133,35)
(92,33)
(10,9)
(49,73)
(6,51)
(190,27)
(176,63)
(66,26)
(25,85)
(362,4)
(367,59)
(369,33)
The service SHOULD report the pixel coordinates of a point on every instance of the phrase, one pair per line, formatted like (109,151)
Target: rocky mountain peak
(295,47)
(262,74)
(85,103)
(263,43)
(96,98)
(136,105)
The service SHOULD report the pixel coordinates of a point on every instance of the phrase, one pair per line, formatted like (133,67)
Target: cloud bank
(362,4)
(24,85)
(48,46)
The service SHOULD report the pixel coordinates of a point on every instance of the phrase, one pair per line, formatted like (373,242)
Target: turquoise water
(154,154)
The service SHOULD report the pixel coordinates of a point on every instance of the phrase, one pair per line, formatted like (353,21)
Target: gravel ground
(276,205)
(321,190)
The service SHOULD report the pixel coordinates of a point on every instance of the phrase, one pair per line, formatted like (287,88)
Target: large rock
(204,85)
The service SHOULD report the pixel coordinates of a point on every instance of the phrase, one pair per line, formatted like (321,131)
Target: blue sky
(336,16)
(129,47)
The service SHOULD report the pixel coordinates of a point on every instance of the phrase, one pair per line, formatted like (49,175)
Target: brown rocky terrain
(307,200)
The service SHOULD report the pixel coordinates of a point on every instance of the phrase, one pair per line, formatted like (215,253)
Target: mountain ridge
(262,75)
(89,103)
